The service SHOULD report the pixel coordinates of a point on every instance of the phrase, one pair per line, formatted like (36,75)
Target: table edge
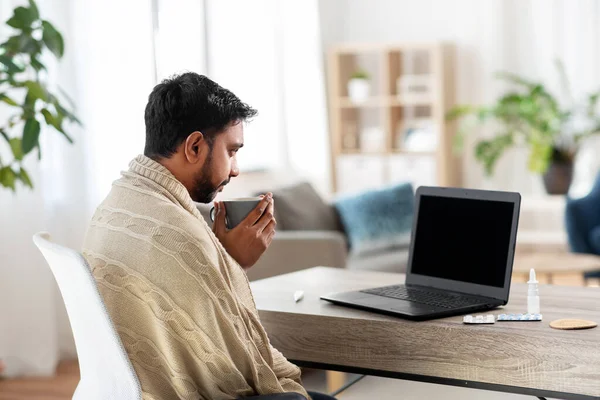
(445,381)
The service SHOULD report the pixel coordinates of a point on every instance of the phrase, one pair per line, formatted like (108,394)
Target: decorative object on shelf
(417,134)
(372,140)
(414,85)
(350,142)
(23,76)
(531,116)
(359,86)
(350,136)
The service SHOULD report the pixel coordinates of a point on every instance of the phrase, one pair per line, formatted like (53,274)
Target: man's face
(220,164)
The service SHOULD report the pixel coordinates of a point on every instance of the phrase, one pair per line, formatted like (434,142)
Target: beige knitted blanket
(181,305)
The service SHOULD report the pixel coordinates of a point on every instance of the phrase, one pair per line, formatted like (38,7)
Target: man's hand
(249,240)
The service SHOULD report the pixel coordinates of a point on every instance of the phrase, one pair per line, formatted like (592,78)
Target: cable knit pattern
(182,306)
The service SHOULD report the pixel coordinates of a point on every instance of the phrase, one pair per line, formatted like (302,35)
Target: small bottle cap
(532,276)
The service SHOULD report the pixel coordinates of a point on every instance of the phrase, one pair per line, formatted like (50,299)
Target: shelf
(414,100)
(409,89)
(360,152)
(387,152)
(416,153)
(392,101)
(346,102)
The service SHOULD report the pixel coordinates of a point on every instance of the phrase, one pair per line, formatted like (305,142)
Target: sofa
(309,233)
(582,221)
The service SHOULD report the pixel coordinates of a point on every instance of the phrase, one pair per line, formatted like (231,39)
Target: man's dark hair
(186,103)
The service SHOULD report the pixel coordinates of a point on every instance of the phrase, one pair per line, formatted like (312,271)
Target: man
(175,288)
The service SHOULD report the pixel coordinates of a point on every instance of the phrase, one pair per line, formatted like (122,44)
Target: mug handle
(212,217)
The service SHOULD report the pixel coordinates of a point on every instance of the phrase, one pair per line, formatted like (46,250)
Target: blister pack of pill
(520,317)
(479,319)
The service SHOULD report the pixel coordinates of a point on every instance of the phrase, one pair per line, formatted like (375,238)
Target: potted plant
(25,94)
(359,86)
(531,116)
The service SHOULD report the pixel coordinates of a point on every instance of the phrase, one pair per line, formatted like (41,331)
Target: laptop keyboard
(416,295)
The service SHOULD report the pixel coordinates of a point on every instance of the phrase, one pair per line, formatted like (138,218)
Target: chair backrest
(106,371)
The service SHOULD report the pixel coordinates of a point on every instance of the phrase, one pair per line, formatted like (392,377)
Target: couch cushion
(594,239)
(300,208)
(377,219)
(391,260)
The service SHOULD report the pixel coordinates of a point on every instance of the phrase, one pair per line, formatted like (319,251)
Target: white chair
(106,372)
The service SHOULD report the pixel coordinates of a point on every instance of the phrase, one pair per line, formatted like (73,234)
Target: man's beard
(204,191)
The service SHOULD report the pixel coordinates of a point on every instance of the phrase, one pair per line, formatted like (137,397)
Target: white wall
(521,36)
(268,53)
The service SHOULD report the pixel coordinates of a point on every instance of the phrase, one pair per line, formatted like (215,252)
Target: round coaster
(572,324)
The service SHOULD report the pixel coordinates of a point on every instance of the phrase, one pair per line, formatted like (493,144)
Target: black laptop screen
(463,239)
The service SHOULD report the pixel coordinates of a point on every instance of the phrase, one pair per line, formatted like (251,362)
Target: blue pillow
(377,219)
(594,238)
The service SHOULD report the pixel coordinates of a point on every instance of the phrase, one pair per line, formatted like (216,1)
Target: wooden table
(527,358)
(559,268)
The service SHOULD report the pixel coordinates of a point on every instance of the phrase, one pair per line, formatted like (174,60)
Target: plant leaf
(11,67)
(31,135)
(37,90)
(17,148)
(489,151)
(8,177)
(64,112)
(56,122)
(4,135)
(592,103)
(53,39)
(36,64)
(459,111)
(24,176)
(539,156)
(22,18)
(8,100)
(34,9)
(50,120)
(32,47)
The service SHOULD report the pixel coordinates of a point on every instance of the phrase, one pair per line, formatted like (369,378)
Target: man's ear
(195,147)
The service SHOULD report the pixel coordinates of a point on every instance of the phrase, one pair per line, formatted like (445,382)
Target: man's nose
(235,171)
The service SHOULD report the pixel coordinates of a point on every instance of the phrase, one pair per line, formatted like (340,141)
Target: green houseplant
(26,101)
(531,116)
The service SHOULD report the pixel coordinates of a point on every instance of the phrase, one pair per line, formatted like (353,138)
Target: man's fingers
(270,229)
(219,224)
(258,211)
(269,238)
(213,216)
(266,219)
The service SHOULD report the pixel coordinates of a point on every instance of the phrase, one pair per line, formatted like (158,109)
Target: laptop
(460,260)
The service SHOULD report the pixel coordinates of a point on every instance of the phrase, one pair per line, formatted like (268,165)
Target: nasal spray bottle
(533,294)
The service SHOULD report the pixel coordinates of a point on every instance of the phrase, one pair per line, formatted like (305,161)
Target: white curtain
(108,70)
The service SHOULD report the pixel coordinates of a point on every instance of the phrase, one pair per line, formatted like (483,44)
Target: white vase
(358,90)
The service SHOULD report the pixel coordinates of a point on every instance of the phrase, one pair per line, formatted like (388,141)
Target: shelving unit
(399,132)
